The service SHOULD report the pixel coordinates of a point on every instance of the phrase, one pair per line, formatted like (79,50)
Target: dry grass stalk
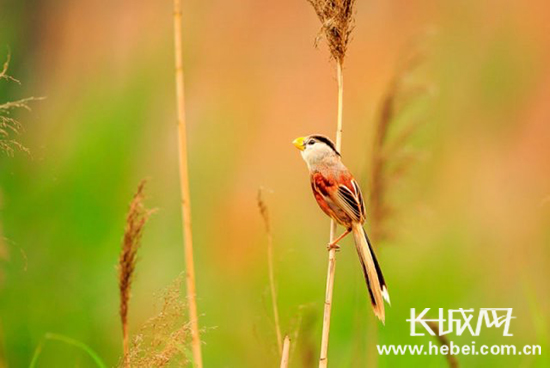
(164,339)
(337,22)
(135,222)
(264,211)
(4,73)
(443,340)
(184,186)
(285,355)
(323,359)
(389,160)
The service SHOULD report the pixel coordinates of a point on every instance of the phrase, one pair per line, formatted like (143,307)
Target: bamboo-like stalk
(264,211)
(337,22)
(184,186)
(285,355)
(323,359)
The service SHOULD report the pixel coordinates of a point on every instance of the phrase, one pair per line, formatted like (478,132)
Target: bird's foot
(332,246)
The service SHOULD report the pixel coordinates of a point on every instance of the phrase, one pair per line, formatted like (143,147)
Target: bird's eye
(311,142)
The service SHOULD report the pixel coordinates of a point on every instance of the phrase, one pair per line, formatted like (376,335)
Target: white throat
(320,155)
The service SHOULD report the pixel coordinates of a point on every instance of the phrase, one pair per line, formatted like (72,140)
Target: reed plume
(184,187)
(337,22)
(264,211)
(389,158)
(135,223)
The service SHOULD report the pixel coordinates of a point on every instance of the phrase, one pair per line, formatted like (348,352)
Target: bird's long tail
(373,275)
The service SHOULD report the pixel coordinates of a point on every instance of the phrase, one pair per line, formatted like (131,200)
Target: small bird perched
(339,196)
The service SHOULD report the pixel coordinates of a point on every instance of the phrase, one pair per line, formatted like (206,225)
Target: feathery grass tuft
(337,22)
(164,339)
(135,223)
(10,128)
(4,73)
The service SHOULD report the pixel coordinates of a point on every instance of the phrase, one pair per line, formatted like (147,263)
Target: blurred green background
(470,226)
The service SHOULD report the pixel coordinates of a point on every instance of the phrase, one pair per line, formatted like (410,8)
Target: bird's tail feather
(371,269)
(383,286)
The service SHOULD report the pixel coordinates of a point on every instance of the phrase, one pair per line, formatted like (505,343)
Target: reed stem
(184,187)
(285,355)
(126,344)
(323,360)
(273,290)
(264,211)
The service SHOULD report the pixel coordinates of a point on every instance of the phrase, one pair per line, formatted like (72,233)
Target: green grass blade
(69,341)
(37,352)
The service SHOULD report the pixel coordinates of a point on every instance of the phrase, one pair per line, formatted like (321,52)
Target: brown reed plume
(184,187)
(264,211)
(135,223)
(10,128)
(337,21)
(389,158)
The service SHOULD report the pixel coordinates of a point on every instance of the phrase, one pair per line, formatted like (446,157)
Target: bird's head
(317,149)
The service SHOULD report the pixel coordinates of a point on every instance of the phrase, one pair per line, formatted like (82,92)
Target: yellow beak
(299,143)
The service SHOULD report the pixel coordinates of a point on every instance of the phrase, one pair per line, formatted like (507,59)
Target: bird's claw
(331,246)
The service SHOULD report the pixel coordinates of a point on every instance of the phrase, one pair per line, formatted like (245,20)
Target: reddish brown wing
(323,187)
(349,197)
(339,197)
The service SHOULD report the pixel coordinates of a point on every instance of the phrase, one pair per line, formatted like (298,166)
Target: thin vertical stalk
(323,360)
(264,211)
(184,186)
(443,341)
(285,355)
(273,290)
(126,344)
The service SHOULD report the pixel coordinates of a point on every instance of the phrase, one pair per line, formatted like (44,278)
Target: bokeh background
(470,226)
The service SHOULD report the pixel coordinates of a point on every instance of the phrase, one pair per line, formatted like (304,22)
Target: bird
(338,194)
